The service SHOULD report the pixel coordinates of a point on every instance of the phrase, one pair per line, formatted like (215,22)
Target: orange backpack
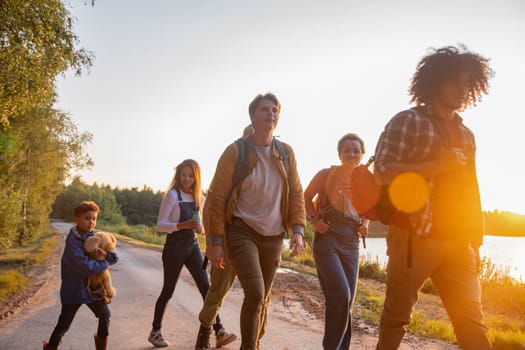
(364,191)
(371,199)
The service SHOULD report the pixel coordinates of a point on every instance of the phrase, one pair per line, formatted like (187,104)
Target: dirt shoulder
(293,291)
(39,276)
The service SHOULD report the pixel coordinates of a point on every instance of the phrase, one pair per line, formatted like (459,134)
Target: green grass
(431,328)
(11,280)
(371,269)
(368,303)
(15,262)
(507,340)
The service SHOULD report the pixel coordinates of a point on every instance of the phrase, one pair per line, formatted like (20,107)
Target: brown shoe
(224,338)
(203,338)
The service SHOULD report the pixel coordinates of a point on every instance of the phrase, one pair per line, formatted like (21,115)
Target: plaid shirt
(411,137)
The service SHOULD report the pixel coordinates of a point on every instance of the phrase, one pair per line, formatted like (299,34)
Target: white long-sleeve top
(169,212)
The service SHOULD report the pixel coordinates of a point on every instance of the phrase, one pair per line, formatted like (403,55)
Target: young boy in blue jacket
(76,267)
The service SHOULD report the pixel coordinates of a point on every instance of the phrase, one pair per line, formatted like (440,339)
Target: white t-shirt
(259,202)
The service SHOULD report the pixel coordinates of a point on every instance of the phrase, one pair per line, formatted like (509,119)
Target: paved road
(138,278)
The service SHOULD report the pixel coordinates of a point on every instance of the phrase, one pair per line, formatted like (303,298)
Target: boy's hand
(112,258)
(100,253)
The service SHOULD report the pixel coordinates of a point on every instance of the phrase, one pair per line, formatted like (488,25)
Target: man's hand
(215,254)
(450,159)
(296,244)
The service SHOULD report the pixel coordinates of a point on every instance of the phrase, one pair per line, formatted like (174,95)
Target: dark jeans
(452,266)
(337,261)
(67,314)
(174,257)
(255,258)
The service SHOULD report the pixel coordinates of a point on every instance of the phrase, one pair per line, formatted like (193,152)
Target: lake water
(507,253)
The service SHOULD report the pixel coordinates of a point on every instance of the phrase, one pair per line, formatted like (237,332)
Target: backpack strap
(283,155)
(329,181)
(241,168)
(285,158)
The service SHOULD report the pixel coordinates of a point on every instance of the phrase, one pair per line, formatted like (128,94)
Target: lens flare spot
(409,192)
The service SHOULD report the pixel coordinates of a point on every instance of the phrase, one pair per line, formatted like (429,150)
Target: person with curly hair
(441,239)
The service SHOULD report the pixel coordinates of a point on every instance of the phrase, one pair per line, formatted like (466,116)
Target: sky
(173,79)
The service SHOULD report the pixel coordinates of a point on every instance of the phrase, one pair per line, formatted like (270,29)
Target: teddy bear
(101,283)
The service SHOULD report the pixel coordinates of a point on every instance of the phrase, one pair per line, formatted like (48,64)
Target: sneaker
(156,338)
(223,338)
(203,338)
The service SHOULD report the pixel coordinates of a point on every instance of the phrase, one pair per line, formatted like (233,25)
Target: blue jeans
(67,314)
(174,257)
(337,261)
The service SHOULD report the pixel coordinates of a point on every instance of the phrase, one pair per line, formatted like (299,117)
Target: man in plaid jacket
(442,238)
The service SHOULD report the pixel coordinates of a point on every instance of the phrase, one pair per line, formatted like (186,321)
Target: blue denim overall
(181,249)
(336,254)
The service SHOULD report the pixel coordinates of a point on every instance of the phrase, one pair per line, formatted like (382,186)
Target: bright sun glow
(408,192)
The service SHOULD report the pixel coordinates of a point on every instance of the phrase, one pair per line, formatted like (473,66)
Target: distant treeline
(504,223)
(497,223)
(132,206)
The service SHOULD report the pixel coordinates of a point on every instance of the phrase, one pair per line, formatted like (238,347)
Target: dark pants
(452,267)
(337,261)
(67,314)
(255,258)
(174,257)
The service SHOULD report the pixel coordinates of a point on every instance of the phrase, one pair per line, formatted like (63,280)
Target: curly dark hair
(446,64)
